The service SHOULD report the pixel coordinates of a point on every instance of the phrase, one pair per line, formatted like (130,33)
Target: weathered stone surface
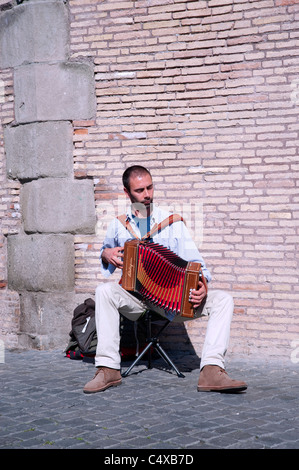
(49,93)
(39,150)
(34,32)
(46,318)
(56,91)
(41,262)
(58,205)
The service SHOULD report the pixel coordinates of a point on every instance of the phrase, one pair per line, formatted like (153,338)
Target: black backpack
(83,337)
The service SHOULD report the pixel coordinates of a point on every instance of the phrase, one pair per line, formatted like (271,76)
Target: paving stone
(42,406)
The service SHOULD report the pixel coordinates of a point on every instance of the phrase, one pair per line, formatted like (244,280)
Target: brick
(58,205)
(37,85)
(45,39)
(29,268)
(39,150)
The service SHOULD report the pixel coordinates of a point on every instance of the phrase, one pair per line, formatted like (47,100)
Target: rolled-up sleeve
(187,249)
(110,241)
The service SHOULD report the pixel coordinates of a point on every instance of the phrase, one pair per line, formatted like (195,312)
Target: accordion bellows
(160,276)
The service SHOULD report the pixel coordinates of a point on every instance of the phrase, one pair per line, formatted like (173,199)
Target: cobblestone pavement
(42,406)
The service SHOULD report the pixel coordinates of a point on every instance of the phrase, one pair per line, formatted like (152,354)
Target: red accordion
(160,277)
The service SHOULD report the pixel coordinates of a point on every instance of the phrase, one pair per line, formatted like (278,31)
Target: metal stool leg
(153,342)
(137,360)
(167,359)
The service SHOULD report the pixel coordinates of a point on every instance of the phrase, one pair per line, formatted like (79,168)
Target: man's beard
(144,207)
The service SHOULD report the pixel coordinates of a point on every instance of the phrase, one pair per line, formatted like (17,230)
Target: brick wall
(205,94)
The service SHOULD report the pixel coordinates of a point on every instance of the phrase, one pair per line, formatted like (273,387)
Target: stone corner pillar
(50,92)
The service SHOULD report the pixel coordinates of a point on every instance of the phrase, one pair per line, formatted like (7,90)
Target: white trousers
(111,299)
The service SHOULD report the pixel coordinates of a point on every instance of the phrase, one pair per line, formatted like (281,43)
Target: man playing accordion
(112,299)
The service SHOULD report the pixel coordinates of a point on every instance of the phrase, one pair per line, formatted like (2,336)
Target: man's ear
(126,192)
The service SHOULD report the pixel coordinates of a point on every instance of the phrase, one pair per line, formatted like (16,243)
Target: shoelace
(99,369)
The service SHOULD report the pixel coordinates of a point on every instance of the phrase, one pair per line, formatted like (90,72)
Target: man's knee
(105,289)
(228,299)
(220,302)
(101,289)
(225,304)
(221,296)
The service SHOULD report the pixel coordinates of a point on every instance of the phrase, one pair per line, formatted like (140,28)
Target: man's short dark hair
(133,170)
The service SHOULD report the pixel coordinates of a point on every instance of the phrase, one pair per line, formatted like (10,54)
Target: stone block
(40,262)
(45,320)
(34,32)
(39,150)
(54,92)
(58,205)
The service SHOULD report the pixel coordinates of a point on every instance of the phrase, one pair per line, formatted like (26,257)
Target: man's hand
(197,296)
(113,256)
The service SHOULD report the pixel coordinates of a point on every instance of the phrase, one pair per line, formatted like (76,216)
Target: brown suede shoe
(103,379)
(215,379)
